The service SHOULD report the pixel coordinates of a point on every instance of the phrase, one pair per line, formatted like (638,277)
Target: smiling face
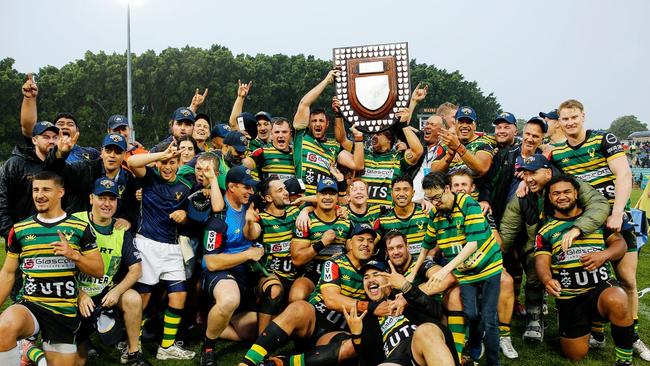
(201,130)
(532,138)
(465,128)
(358,192)
(536,180)
(505,133)
(318,125)
(168,169)
(112,157)
(563,197)
(402,194)
(397,251)
(277,194)
(240,193)
(372,282)
(326,200)
(281,135)
(462,183)
(187,151)
(572,121)
(263,129)
(432,129)
(46,195)
(361,246)
(103,206)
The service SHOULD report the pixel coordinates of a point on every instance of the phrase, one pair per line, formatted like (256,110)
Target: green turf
(530,354)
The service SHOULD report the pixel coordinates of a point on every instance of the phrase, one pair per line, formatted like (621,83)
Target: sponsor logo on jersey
(47,264)
(598,173)
(281,247)
(575,253)
(318,160)
(378,173)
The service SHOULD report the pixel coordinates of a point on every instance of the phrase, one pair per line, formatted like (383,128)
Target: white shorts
(160,261)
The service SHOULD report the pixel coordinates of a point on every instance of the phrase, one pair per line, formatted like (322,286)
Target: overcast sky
(532,56)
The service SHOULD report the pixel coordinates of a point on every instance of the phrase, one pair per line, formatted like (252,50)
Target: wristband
(338,114)
(318,247)
(356,342)
(342,186)
(406,287)
(358,138)
(461,150)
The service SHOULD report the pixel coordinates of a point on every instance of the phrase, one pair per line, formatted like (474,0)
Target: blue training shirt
(159,199)
(235,240)
(79,153)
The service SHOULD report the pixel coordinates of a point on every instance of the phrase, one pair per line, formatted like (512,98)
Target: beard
(565,210)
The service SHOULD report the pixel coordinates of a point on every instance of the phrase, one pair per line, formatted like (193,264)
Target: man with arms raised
(314,153)
(579,276)
(50,248)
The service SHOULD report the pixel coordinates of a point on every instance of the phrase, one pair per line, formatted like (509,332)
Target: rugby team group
(404,247)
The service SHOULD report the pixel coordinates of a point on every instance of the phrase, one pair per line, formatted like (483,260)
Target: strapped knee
(271,305)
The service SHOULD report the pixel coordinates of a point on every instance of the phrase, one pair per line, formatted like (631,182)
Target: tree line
(94,88)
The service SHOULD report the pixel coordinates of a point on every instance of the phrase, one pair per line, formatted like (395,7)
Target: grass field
(530,354)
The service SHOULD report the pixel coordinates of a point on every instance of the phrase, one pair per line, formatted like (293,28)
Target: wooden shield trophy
(374,84)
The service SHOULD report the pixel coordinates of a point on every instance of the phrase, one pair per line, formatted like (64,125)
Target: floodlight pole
(129,96)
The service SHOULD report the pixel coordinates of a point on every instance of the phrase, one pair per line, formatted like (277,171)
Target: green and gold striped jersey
(49,279)
(566,266)
(452,230)
(414,227)
(317,227)
(256,143)
(276,236)
(339,272)
(313,158)
(379,172)
(394,331)
(421,275)
(271,161)
(370,217)
(480,144)
(589,160)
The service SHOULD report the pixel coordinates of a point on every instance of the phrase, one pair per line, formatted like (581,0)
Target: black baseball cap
(294,186)
(117,120)
(363,228)
(41,127)
(374,264)
(551,115)
(540,122)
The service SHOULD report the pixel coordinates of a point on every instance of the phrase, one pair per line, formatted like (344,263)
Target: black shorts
(402,354)
(327,321)
(54,328)
(245,283)
(627,231)
(576,314)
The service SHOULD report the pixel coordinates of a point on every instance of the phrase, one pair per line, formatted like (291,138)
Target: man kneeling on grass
(580,276)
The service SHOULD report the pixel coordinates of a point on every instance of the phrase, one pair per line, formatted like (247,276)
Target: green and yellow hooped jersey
(271,161)
(414,227)
(379,171)
(452,230)
(49,279)
(340,272)
(313,158)
(342,228)
(370,217)
(589,160)
(566,266)
(277,233)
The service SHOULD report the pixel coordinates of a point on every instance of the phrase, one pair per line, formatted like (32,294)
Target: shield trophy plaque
(374,84)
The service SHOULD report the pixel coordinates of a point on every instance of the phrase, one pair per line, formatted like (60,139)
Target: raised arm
(198,100)
(238,106)
(28,111)
(301,118)
(354,160)
(339,126)
(138,163)
(413,153)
